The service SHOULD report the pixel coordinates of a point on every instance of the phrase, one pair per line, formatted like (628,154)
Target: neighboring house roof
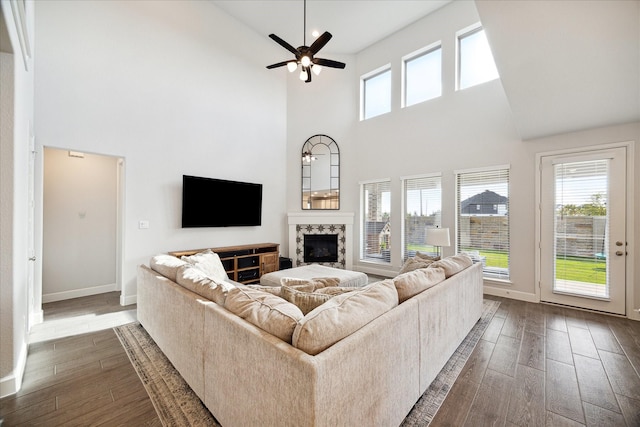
(487,197)
(375,227)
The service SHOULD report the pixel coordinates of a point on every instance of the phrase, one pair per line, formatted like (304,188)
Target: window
(475,61)
(376,225)
(376,93)
(422,75)
(482,202)
(422,210)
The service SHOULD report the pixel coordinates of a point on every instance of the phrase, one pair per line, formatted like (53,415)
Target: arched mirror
(320,173)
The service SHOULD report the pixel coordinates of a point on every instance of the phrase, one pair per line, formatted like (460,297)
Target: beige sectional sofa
(361,358)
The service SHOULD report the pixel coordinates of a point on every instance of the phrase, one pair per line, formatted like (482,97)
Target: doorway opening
(81,224)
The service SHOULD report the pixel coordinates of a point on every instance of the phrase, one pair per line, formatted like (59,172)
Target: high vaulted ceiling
(354,25)
(565,65)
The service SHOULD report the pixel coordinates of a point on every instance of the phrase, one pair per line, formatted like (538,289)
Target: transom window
(422,75)
(376,93)
(475,60)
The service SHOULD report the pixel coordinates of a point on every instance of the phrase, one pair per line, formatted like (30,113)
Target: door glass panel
(582,228)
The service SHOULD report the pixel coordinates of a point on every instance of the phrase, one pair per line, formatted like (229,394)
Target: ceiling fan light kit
(304,55)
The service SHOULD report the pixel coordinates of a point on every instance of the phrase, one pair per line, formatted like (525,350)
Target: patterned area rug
(177,405)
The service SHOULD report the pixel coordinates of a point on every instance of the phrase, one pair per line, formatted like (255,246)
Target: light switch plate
(143,224)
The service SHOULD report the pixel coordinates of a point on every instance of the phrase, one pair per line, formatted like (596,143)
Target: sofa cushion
(307,301)
(416,281)
(167,265)
(264,310)
(209,262)
(342,315)
(309,285)
(453,264)
(197,281)
(414,263)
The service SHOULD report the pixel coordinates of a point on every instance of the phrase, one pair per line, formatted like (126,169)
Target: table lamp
(438,237)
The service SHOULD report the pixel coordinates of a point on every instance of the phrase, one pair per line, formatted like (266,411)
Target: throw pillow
(342,315)
(264,310)
(426,256)
(414,282)
(167,265)
(305,301)
(275,290)
(209,262)
(309,285)
(335,290)
(453,264)
(308,300)
(197,281)
(413,264)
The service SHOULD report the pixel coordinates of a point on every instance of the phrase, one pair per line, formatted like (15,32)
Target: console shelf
(244,263)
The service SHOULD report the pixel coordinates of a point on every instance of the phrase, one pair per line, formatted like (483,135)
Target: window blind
(376,226)
(581,228)
(483,219)
(422,210)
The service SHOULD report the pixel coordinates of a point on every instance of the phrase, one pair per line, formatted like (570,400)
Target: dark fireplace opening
(320,248)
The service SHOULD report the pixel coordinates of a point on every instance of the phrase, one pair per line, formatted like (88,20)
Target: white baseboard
(77,293)
(508,293)
(128,300)
(11,384)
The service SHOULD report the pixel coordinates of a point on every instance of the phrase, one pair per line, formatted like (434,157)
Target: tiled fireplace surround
(340,223)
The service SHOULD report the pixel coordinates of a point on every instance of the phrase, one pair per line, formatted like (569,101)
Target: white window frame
(487,273)
(363,214)
(414,55)
(461,34)
(363,79)
(404,180)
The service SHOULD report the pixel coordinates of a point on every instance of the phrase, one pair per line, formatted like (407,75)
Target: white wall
(173,88)
(79,239)
(16,112)
(472,128)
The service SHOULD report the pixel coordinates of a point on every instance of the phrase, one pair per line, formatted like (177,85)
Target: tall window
(376,93)
(422,210)
(483,218)
(475,61)
(376,225)
(422,75)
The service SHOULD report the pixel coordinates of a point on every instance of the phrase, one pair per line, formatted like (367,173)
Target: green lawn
(570,268)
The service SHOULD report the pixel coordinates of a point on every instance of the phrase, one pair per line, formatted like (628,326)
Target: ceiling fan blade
(329,63)
(284,44)
(308,75)
(279,64)
(320,42)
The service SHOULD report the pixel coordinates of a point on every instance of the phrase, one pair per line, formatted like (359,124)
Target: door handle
(32,258)
(619,253)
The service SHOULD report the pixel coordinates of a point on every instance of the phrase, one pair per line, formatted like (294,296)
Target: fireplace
(320,248)
(302,224)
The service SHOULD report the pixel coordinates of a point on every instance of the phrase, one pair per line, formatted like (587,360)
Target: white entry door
(583,229)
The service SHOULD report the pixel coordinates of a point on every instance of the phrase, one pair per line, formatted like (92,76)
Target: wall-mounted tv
(208,202)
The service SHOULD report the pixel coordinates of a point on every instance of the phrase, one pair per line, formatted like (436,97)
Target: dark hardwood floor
(536,365)
(81,379)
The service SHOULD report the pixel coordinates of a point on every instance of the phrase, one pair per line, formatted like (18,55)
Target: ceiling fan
(304,55)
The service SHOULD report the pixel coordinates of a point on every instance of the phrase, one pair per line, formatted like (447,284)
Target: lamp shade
(438,237)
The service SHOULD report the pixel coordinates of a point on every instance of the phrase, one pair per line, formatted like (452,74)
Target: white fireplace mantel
(328,218)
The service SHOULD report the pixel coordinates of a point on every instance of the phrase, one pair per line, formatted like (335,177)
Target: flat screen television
(208,202)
